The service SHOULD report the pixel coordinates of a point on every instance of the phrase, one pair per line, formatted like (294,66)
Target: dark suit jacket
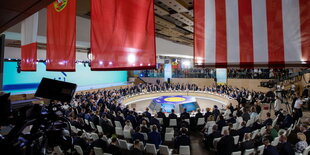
(173,116)
(138,135)
(226,145)
(99,143)
(155,138)
(286,148)
(247,145)
(270,150)
(267,121)
(114,150)
(181,141)
(185,115)
(135,151)
(242,131)
(81,142)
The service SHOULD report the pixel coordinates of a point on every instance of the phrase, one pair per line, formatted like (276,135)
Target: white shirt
(298,104)
(239,120)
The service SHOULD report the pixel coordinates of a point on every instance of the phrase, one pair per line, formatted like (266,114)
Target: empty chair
(124,145)
(105,138)
(236,139)
(74,129)
(107,154)
(209,130)
(119,131)
(249,152)
(78,149)
(99,128)
(160,121)
(92,125)
(169,137)
(150,148)
(215,141)
(236,153)
(236,126)
(260,150)
(86,121)
(127,134)
(223,129)
(164,150)
(254,133)
(141,146)
(275,142)
(172,122)
(94,136)
(201,121)
(98,151)
(58,150)
(274,121)
(118,124)
(210,123)
(184,150)
(262,130)
(169,130)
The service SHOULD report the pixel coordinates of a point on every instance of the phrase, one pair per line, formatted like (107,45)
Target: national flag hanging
(122,35)
(29,30)
(251,33)
(61,37)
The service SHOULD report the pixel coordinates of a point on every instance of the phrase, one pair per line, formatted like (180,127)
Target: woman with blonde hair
(302,144)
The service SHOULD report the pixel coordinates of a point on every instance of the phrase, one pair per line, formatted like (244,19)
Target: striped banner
(251,33)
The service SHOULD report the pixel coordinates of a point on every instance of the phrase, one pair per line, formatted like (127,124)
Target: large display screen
(15,82)
(221,76)
(189,107)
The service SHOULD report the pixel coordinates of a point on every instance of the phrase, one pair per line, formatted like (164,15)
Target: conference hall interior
(155,77)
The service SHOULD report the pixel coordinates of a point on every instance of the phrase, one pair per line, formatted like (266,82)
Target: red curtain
(61,26)
(122,34)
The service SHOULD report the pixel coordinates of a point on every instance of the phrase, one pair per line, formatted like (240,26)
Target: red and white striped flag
(252,33)
(29,30)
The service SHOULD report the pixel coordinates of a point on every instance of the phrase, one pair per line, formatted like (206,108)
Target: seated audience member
(161,114)
(243,130)
(144,127)
(198,114)
(288,120)
(120,118)
(207,114)
(306,130)
(227,113)
(185,114)
(221,123)
(147,113)
(273,132)
(182,139)
(302,144)
(209,138)
(132,118)
(155,121)
(239,118)
(253,113)
(136,148)
(172,115)
(231,119)
(138,135)
(258,107)
(215,112)
(155,137)
(269,149)
(232,131)
(99,143)
(245,115)
(268,119)
(128,126)
(226,145)
(78,140)
(285,147)
(248,143)
(113,148)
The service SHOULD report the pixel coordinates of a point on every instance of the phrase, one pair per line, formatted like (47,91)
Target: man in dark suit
(155,137)
(132,118)
(182,140)
(137,135)
(161,114)
(113,148)
(285,147)
(147,113)
(99,143)
(185,114)
(172,115)
(243,130)
(248,143)
(232,131)
(288,120)
(269,149)
(119,118)
(154,121)
(226,145)
(268,119)
(221,123)
(81,142)
(209,138)
(136,148)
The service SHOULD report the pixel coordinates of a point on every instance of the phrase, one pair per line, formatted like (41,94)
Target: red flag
(29,32)
(122,34)
(61,25)
(250,33)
